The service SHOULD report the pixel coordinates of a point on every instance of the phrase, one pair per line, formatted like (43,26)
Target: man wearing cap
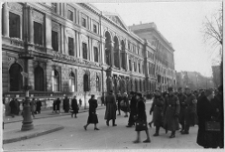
(189,111)
(181,96)
(172,109)
(133,103)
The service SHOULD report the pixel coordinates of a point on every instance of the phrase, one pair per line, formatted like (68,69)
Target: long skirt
(92,118)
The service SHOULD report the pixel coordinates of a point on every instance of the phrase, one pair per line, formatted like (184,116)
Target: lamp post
(26,55)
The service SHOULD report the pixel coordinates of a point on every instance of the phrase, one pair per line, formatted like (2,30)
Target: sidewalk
(44,114)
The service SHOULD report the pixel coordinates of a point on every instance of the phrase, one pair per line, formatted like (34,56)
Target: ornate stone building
(73,45)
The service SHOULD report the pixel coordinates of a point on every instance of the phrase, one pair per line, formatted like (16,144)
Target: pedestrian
(54,106)
(133,103)
(66,104)
(80,102)
(126,103)
(189,111)
(58,102)
(92,117)
(181,96)
(141,123)
(13,107)
(75,107)
(38,106)
(119,99)
(33,107)
(209,127)
(111,107)
(157,109)
(172,109)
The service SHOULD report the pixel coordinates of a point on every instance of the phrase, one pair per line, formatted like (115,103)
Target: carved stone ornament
(15,7)
(38,16)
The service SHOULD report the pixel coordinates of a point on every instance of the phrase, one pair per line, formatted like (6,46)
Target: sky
(181,23)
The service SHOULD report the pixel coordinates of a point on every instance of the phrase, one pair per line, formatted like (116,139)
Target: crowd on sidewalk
(170,111)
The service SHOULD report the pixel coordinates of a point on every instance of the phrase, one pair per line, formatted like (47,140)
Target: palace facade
(73,45)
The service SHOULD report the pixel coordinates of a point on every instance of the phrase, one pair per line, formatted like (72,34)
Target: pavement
(11,134)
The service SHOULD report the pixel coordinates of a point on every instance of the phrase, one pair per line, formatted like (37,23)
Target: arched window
(108,48)
(15,76)
(71,82)
(39,79)
(123,55)
(116,52)
(98,86)
(86,82)
(55,80)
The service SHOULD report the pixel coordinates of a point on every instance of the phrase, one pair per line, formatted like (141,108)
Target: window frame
(18,25)
(71,51)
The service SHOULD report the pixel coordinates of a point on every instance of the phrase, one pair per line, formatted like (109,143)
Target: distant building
(216,75)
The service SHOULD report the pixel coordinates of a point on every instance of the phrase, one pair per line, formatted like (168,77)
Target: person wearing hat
(119,98)
(92,117)
(157,109)
(133,102)
(208,111)
(75,107)
(141,119)
(189,111)
(172,109)
(126,103)
(111,107)
(181,96)
(66,104)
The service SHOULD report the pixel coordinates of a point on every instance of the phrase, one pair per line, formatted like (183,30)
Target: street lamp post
(26,56)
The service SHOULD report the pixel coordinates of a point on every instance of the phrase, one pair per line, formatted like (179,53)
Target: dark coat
(157,109)
(172,109)
(133,105)
(14,106)
(110,112)
(190,110)
(183,104)
(92,118)
(74,106)
(206,111)
(141,114)
(58,102)
(66,105)
(38,105)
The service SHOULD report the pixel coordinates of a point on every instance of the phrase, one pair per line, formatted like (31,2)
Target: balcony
(15,42)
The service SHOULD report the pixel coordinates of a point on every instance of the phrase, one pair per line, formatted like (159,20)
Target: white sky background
(179,22)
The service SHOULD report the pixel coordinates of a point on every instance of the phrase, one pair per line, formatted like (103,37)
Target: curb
(49,116)
(7,141)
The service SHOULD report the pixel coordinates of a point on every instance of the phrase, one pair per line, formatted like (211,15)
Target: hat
(139,94)
(170,89)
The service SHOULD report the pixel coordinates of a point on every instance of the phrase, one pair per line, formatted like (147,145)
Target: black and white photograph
(112,75)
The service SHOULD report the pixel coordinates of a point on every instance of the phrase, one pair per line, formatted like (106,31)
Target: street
(73,136)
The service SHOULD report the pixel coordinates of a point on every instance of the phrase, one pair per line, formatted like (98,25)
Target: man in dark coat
(181,96)
(189,111)
(58,102)
(119,98)
(111,107)
(66,105)
(75,107)
(172,109)
(208,111)
(38,106)
(92,118)
(157,109)
(13,107)
(133,105)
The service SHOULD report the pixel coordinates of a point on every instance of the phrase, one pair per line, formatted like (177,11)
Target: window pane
(96,54)
(14,25)
(70,15)
(55,40)
(83,22)
(95,29)
(38,33)
(84,45)
(71,46)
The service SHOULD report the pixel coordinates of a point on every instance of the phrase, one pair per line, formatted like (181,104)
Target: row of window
(136,66)
(16,80)
(134,49)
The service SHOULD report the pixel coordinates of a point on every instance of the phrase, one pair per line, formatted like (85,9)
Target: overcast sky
(179,22)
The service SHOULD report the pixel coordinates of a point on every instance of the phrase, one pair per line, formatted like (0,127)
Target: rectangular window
(14,25)
(135,67)
(95,54)
(71,46)
(55,40)
(70,15)
(130,65)
(84,22)
(95,28)
(38,33)
(54,7)
(84,48)
(139,67)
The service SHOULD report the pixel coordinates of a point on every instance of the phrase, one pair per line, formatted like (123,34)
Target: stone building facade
(73,45)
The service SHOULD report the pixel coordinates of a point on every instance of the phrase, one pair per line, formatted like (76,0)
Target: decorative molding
(37,16)
(15,7)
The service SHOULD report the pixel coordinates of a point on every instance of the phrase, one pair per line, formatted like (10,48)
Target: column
(112,53)
(62,35)
(102,47)
(77,44)
(48,32)
(31,26)
(119,56)
(5,20)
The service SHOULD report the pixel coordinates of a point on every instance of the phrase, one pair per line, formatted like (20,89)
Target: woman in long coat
(111,107)
(157,109)
(66,104)
(13,107)
(141,118)
(172,109)
(208,109)
(75,107)
(92,118)
(33,107)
